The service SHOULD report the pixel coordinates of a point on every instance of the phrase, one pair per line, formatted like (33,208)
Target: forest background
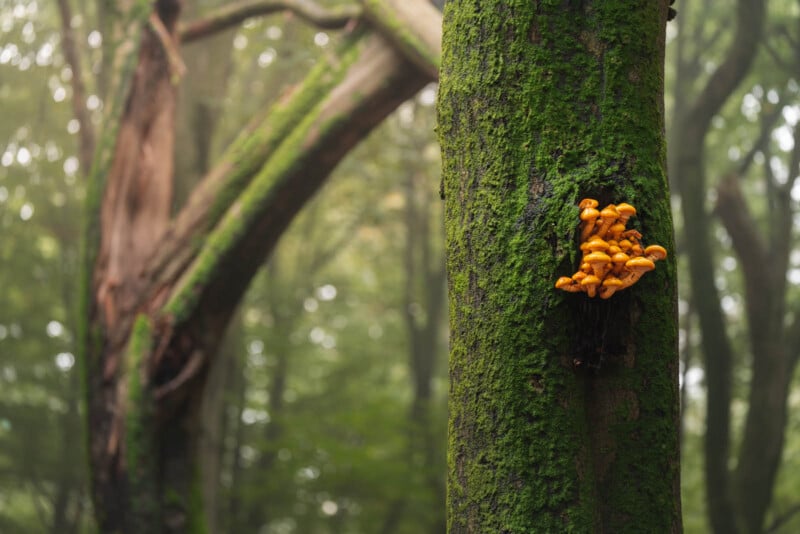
(312,421)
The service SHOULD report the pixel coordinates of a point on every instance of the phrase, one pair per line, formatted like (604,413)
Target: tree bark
(540,105)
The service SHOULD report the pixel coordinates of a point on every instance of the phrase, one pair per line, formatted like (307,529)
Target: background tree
(747,325)
(540,106)
(159,292)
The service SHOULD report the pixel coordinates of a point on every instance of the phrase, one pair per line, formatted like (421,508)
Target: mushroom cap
(612,281)
(564,281)
(626,210)
(590,280)
(579,276)
(589,214)
(620,257)
(609,212)
(598,257)
(588,203)
(655,252)
(640,264)
(617,229)
(595,245)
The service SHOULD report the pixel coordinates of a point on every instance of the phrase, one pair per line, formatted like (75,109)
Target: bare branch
(234,14)
(79,109)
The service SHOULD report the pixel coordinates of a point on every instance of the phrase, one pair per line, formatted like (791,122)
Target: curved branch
(376,83)
(234,14)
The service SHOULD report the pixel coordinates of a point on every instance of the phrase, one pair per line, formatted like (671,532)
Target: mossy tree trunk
(542,104)
(159,290)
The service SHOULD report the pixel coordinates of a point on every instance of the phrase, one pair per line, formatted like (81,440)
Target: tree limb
(234,14)
(373,86)
(413,26)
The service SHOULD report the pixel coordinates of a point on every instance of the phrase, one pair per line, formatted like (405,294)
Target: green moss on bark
(140,453)
(241,213)
(542,104)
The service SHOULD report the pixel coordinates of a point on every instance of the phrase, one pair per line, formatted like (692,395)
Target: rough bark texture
(540,105)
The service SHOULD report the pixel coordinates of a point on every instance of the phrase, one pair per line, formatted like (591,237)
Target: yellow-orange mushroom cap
(626,211)
(590,284)
(598,261)
(634,269)
(609,216)
(610,286)
(589,217)
(568,284)
(655,252)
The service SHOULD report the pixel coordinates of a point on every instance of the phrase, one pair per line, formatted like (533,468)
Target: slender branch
(176,66)
(79,109)
(234,14)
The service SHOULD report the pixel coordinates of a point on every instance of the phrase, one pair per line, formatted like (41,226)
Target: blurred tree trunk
(200,101)
(423,305)
(540,105)
(159,291)
(738,501)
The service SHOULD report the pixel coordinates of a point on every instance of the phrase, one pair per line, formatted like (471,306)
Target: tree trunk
(159,293)
(540,105)
(692,122)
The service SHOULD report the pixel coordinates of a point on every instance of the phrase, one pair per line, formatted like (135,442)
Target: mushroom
(595,244)
(610,286)
(619,260)
(568,284)
(589,217)
(609,216)
(626,211)
(655,252)
(589,284)
(599,261)
(579,276)
(616,230)
(635,268)
(611,265)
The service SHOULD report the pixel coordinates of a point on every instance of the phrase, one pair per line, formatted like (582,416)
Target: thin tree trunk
(688,169)
(540,105)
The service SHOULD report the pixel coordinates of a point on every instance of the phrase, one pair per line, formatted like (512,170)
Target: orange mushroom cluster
(613,257)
